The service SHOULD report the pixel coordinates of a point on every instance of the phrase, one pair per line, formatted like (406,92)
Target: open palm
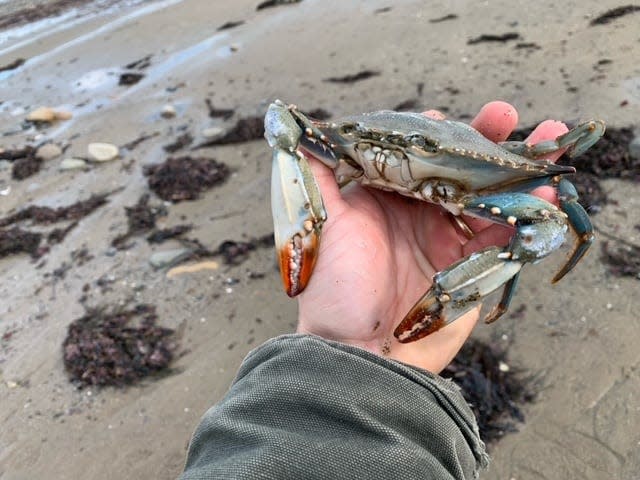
(380,250)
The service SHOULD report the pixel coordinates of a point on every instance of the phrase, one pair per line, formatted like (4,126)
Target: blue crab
(440,161)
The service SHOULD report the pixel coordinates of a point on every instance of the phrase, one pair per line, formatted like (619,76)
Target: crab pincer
(297,207)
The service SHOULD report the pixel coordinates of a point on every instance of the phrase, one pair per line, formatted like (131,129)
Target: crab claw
(458,289)
(298,216)
(581,138)
(423,319)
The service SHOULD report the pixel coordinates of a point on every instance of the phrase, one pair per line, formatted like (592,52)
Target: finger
(434,114)
(329,188)
(548,130)
(495,235)
(496,120)
(476,224)
(549,194)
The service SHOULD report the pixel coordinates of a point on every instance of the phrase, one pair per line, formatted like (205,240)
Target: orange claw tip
(297,259)
(412,328)
(424,318)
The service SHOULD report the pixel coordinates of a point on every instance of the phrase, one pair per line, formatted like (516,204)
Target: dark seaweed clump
(19,240)
(179,143)
(622,259)
(17,63)
(48,215)
(246,129)
(16,240)
(32,13)
(184,178)
(105,349)
(494,394)
(613,14)
(230,24)
(224,113)
(141,219)
(130,78)
(24,162)
(352,78)
(492,38)
(275,3)
(235,252)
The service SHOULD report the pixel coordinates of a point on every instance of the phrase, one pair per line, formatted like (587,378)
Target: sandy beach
(199,67)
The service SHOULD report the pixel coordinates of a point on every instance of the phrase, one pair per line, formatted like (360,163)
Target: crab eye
(347,129)
(416,140)
(422,142)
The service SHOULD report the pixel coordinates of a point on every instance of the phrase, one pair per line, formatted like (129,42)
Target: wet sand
(579,337)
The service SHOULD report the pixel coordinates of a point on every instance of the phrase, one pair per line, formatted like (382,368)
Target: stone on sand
(212,132)
(48,114)
(48,151)
(168,111)
(168,258)
(73,164)
(102,152)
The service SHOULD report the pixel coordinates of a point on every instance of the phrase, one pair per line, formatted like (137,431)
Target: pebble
(634,148)
(73,164)
(168,257)
(168,111)
(103,152)
(48,151)
(212,132)
(193,268)
(48,114)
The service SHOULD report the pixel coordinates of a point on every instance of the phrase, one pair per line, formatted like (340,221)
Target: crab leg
(505,301)
(579,222)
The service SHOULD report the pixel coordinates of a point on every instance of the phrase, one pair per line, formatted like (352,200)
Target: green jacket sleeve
(306,408)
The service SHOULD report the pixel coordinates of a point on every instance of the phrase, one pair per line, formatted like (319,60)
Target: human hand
(380,250)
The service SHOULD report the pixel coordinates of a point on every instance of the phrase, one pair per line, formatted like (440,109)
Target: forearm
(303,407)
